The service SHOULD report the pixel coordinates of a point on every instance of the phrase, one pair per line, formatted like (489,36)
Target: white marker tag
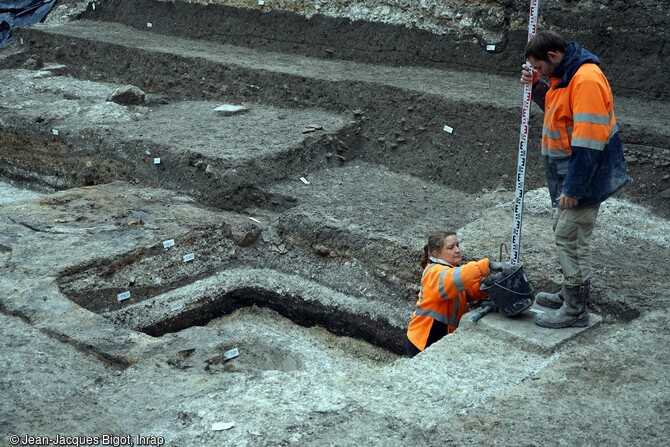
(304,180)
(55,131)
(231,354)
(189,257)
(255,220)
(490,47)
(93,6)
(261,2)
(218,426)
(21,40)
(448,129)
(536,311)
(169,243)
(157,161)
(123,296)
(150,25)
(176,306)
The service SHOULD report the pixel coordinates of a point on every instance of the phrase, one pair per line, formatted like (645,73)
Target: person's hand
(505,269)
(565,202)
(488,281)
(496,266)
(528,75)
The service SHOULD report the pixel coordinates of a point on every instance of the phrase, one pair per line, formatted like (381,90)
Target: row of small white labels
(262,2)
(166,244)
(158,160)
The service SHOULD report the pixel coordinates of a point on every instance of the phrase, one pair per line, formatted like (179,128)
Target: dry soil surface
(174,274)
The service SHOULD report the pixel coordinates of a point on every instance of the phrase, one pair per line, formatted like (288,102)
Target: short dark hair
(543,42)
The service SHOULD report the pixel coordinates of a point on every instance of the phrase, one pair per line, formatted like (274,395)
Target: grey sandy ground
(70,369)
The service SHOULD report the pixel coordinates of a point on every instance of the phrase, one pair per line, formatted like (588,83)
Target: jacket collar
(440,261)
(575,56)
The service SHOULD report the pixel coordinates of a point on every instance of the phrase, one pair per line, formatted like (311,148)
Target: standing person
(583,161)
(446,288)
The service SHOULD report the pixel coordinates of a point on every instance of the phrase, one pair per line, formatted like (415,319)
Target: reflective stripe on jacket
(581,146)
(445,291)
(580,114)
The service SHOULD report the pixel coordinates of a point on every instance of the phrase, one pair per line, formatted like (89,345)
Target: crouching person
(446,288)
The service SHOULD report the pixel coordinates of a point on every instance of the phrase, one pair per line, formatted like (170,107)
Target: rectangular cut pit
(253,339)
(304,302)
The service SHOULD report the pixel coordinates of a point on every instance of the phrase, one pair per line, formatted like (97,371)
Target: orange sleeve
(591,104)
(472,274)
(447,283)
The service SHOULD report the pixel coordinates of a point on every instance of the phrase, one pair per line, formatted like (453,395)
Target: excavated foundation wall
(629,36)
(483,18)
(382,137)
(450,35)
(138,334)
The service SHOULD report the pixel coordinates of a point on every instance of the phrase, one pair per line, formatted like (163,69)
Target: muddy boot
(551,300)
(573,313)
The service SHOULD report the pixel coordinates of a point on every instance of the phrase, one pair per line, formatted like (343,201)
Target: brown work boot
(573,313)
(551,300)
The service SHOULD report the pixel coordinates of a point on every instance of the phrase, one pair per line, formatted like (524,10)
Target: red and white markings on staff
(523,148)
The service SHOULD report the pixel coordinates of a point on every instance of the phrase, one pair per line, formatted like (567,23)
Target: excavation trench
(301,312)
(398,116)
(126,291)
(393,128)
(92,158)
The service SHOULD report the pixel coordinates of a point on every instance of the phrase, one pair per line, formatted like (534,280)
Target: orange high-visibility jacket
(580,114)
(582,149)
(445,291)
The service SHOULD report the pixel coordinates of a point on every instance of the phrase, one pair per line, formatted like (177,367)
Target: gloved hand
(496,266)
(489,280)
(504,267)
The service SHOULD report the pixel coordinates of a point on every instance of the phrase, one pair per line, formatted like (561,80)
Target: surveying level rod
(520,177)
(523,148)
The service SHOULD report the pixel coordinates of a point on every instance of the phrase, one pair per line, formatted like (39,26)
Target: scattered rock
(321,249)
(152,99)
(246,236)
(312,127)
(34,63)
(127,95)
(55,69)
(231,109)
